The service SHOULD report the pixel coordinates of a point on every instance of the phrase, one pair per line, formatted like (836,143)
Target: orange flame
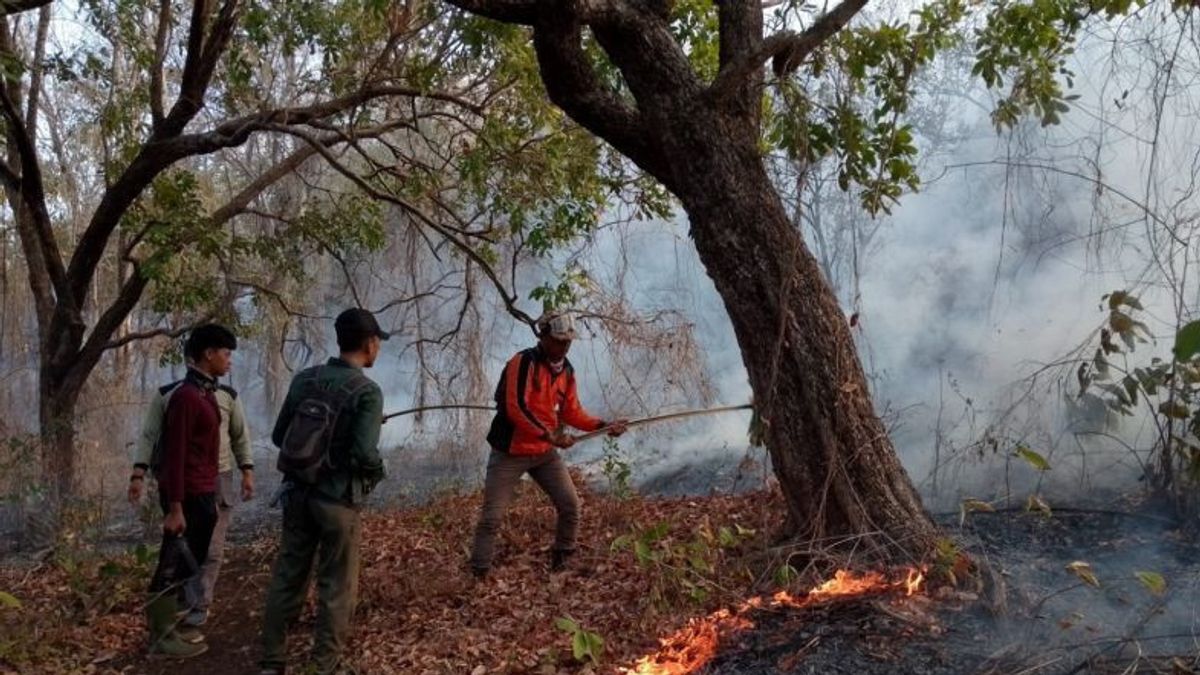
(694,645)
(913,582)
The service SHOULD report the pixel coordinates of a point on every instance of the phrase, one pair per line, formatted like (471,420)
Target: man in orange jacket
(534,398)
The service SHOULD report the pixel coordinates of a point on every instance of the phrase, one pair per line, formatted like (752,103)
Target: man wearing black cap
(321,506)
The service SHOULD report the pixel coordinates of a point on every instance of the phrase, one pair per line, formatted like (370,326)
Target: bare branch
(170,332)
(157,155)
(466,249)
(250,192)
(37,72)
(786,50)
(160,57)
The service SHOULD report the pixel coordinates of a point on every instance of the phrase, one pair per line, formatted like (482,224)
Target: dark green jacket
(355,436)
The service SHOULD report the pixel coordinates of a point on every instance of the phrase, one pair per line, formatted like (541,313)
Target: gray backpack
(305,452)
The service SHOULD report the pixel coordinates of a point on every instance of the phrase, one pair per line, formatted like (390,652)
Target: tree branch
(190,81)
(739,28)
(97,340)
(242,199)
(157,155)
(160,57)
(786,50)
(9,175)
(203,54)
(523,12)
(156,332)
(33,194)
(572,84)
(506,296)
(17,6)
(37,72)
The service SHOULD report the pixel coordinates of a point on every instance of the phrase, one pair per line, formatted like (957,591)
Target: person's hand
(174,523)
(247,484)
(618,427)
(562,440)
(137,486)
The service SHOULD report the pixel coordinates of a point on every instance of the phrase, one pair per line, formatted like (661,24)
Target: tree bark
(57,401)
(836,465)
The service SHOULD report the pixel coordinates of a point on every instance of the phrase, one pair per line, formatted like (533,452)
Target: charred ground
(700,558)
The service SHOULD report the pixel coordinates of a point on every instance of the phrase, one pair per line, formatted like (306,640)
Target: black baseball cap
(358,323)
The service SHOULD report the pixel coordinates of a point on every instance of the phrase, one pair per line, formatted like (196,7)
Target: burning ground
(689,585)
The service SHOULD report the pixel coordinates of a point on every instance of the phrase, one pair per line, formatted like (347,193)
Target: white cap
(558,325)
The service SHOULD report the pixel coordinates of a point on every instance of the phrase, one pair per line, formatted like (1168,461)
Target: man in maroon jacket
(187,484)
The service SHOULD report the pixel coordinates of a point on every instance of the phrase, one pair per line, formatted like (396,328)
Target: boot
(160,618)
(188,634)
(558,560)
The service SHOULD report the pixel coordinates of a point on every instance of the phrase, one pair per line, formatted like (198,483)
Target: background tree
(166,170)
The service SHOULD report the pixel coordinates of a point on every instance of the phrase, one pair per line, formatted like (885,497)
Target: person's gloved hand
(562,439)
(618,427)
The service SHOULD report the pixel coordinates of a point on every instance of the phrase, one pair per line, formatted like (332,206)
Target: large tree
(644,76)
(141,152)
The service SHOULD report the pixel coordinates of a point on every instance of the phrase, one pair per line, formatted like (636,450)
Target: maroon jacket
(191,440)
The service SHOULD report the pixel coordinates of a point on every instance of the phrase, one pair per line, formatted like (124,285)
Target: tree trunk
(57,403)
(836,465)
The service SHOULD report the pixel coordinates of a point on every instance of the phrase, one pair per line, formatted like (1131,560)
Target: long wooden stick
(591,434)
(662,418)
(448,406)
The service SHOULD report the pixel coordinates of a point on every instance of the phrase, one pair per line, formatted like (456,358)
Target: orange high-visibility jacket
(531,402)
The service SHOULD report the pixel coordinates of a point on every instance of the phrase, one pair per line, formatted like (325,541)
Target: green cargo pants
(329,531)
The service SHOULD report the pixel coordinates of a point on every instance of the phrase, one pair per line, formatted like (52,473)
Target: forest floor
(673,585)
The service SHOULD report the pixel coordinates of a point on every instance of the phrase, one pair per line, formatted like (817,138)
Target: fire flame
(913,582)
(693,646)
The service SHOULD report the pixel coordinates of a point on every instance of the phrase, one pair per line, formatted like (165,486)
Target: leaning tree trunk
(836,465)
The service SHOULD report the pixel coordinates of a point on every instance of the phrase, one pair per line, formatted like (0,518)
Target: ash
(1056,622)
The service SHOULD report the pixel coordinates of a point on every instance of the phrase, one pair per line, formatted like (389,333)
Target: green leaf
(642,550)
(587,644)
(9,601)
(1153,581)
(567,624)
(725,537)
(785,574)
(1187,342)
(1036,460)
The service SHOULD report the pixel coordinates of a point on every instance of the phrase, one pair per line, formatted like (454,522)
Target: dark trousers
(504,472)
(176,564)
(199,591)
(328,531)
